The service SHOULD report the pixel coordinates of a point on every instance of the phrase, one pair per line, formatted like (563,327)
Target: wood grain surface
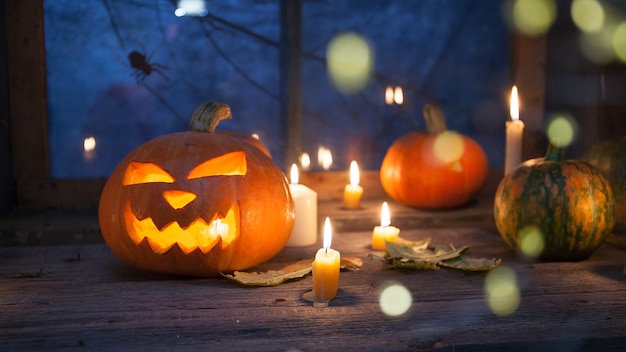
(82,296)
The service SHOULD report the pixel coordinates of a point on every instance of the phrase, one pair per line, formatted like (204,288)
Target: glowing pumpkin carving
(196,203)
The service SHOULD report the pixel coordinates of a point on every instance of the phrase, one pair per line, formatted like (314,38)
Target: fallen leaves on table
(351,263)
(272,277)
(290,272)
(405,254)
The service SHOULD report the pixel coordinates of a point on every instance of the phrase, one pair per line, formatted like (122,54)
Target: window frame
(35,189)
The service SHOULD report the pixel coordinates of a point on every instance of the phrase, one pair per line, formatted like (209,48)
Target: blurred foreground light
(191,8)
(395,300)
(349,59)
(531,241)
(533,17)
(448,147)
(598,46)
(619,41)
(588,15)
(562,130)
(501,291)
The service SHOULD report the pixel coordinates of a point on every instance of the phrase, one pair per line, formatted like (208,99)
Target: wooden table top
(66,297)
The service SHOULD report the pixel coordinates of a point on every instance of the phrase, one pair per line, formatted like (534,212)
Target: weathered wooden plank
(51,300)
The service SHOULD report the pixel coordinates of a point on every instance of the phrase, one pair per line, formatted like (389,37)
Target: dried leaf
(351,263)
(272,277)
(412,264)
(289,272)
(402,263)
(407,255)
(471,264)
(395,250)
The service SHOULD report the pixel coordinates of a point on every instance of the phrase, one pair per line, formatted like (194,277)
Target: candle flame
(89,144)
(514,104)
(385,218)
(324,157)
(294,174)
(389,95)
(217,223)
(398,96)
(354,174)
(328,234)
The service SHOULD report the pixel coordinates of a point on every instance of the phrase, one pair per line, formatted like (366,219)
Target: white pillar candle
(304,231)
(514,135)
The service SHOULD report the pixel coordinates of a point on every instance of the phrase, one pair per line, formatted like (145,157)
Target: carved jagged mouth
(198,235)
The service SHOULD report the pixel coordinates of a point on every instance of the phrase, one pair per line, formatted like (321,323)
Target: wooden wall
(7,189)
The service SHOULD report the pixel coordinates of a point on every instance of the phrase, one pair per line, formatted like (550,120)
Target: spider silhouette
(142,67)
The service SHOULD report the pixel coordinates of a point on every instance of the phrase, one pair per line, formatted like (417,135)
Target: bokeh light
(531,241)
(598,46)
(533,17)
(588,15)
(305,161)
(324,157)
(389,95)
(448,147)
(398,96)
(395,300)
(501,291)
(349,59)
(619,41)
(89,144)
(562,130)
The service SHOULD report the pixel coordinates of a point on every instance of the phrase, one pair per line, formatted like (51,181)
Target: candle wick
(325,250)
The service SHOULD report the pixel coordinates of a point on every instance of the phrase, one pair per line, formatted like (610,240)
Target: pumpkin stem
(553,153)
(208,116)
(435,119)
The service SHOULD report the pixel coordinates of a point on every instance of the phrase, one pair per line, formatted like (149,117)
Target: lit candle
(304,231)
(398,96)
(389,95)
(89,146)
(514,135)
(218,228)
(353,192)
(325,270)
(305,161)
(384,232)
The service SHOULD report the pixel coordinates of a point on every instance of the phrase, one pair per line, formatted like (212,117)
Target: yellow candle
(514,135)
(304,231)
(326,270)
(384,232)
(353,192)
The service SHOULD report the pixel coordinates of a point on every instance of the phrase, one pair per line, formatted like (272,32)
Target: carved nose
(178,199)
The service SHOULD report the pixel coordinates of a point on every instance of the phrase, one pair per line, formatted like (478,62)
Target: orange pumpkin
(250,139)
(196,203)
(435,170)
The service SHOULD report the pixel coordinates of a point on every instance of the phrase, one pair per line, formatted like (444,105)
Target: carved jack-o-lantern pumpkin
(196,203)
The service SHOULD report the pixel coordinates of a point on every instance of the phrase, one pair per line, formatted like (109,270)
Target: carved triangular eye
(230,164)
(137,173)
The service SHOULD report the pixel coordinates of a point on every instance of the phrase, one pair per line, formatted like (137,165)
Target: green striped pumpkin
(609,156)
(568,201)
